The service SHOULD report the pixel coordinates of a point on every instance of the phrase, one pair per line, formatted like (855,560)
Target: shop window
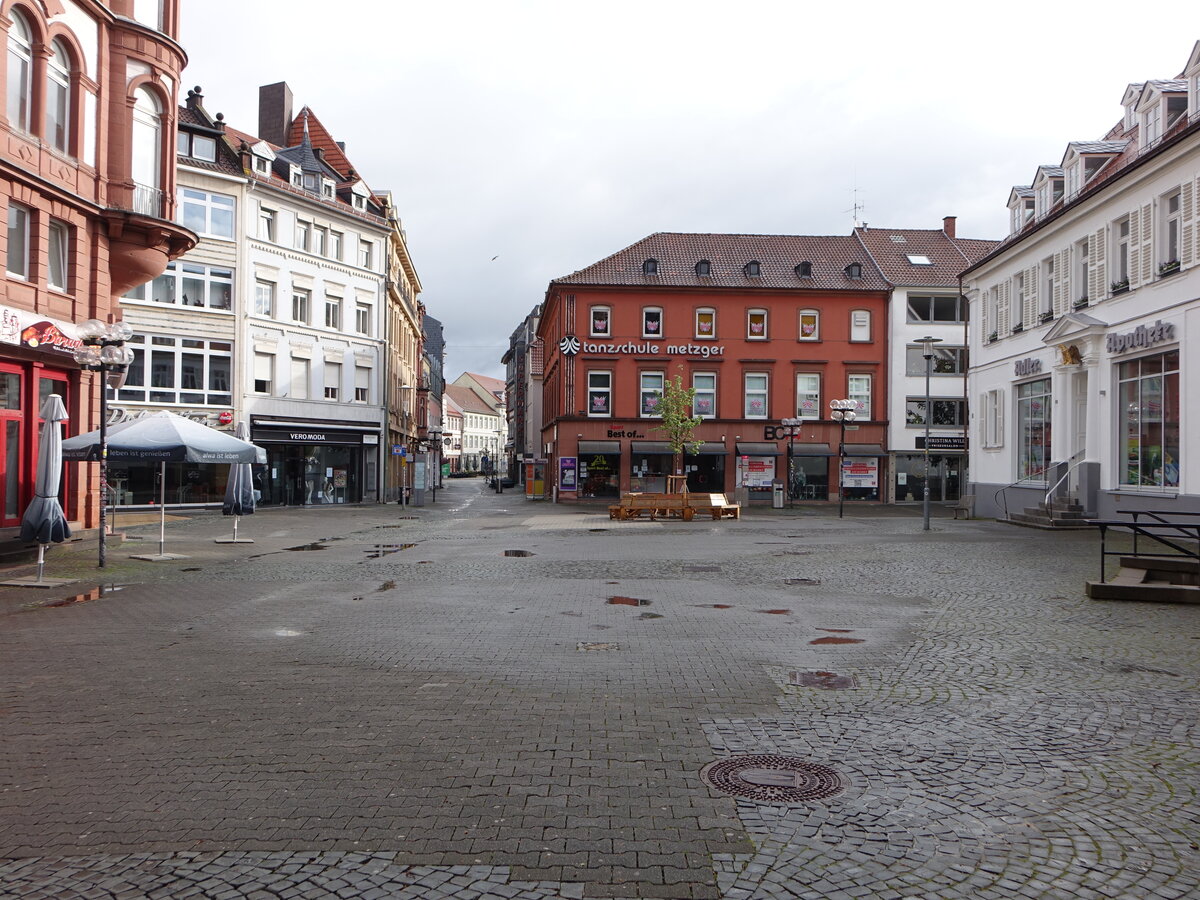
(859,390)
(58,266)
(755,400)
(706,323)
(1149,410)
(860,325)
(1033,427)
(650,392)
(601,321)
(808,396)
(18,241)
(652,321)
(945,361)
(599,403)
(933,308)
(207,213)
(704,402)
(947,413)
(756,325)
(810,325)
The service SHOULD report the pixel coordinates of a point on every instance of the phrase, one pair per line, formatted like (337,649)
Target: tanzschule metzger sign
(570,345)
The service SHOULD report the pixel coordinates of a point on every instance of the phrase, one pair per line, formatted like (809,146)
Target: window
(320,240)
(808,396)
(756,324)
(59,251)
(804,270)
(58,97)
(1081,271)
(810,321)
(919,260)
(860,325)
(264,298)
(1018,305)
(858,389)
(300,305)
(264,372)
(947,413)
(923,308)
(599,401)
(303,232)
(601,321)
(197,146)
(327,188)
(333,313)
(207,214)
(188,284)
(146,152)
(1152,124)
(704,403)
(651,388)
(753,269)
(854,271)
(1149,411)
(297,177)
(706,322)
(262,166)
(652,321)
(704,268)
(992,427)
(1033,427)
(1120,263)
(266,224)
(362,318)
(333,380)
(18,240)
(359,203)
(335,245)
(362,384)
(650,267)
(945,361)
(301,370)
(20,72)
(182,370)
(365,253)
(755,395)
(1056,189)
(992,320)
(1171,222)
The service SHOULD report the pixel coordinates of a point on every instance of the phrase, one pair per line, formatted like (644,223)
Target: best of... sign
(1142,336)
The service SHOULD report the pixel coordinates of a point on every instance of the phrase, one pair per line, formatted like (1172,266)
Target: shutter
(1002,311)
(1062,260)
(1135,249)
(1097,258)
(984,420)
(1147,247)
(985,316)
(999,417)
(1187,223)
(1031,307)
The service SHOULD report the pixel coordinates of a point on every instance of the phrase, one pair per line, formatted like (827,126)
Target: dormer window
(359,203)
(650,267)
(310,181)
(327,188)
(704,268)
(296,177)
(854,271)
(1092,165)
(1176,109)
(1152,124)
(1056,189)
(753,269)
(197,146)
(262,166)
(804,270)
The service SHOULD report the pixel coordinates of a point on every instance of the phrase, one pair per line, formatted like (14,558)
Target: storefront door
(12,436)
(945,478)
(705,473)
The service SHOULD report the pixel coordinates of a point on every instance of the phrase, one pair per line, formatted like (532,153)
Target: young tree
(678,423)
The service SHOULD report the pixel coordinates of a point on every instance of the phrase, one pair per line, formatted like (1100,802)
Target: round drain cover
(773,779)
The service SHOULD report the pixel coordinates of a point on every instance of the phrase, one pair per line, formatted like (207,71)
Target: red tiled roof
(778,255)
(491,384)
(891,247)
(467,400)
(320,137)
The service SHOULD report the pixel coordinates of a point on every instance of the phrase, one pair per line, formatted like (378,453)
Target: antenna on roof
(856,208)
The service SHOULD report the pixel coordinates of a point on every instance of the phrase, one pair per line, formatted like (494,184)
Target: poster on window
(598,403)
(756,471)
(860,472)
(567,469)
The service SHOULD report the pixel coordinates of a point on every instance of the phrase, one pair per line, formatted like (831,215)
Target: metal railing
(1162,531)
(148,201)
(1071,467)
(1003,497)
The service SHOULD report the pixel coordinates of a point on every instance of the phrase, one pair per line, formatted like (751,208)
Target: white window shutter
(1147,268)
(1187,222)
(1135,249)
(1002,313)
(1062,276)
(1097,258)
(999,417)
(1031,287)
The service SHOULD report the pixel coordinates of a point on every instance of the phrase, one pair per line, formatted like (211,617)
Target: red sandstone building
(87,177)
(764,327)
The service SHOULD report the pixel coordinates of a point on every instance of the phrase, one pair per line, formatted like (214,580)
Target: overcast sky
(551,134)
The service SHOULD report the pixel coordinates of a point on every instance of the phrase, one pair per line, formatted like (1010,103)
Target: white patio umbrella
(239,492)
(44,521)
(164,437)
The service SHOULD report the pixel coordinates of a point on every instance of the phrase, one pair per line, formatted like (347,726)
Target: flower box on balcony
(1170,267)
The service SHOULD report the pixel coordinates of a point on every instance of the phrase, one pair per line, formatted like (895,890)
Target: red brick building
(87,178)
(765,327)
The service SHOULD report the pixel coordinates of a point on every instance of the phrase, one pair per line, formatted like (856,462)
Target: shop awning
(600,447)
(651,447)
(865,450)
(759,448)
(711,448)
(812,450)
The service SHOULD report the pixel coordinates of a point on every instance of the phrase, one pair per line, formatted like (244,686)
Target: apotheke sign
(1142,336)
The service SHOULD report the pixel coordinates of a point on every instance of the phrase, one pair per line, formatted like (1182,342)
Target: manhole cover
(772,779)
(826,681)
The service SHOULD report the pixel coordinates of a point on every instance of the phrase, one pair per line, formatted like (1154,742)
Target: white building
(483,428)
(1078,379)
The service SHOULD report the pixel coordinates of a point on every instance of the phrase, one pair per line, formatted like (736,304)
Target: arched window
(804,270)
(704,268)
(58,97)
(650,267)
(20,72)
(146,160)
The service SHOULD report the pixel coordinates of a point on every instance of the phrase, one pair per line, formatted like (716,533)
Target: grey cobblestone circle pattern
(771,779)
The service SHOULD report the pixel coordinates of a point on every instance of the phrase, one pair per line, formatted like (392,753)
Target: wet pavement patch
(594,647)
(826,681)
(87,596)
(627,601)
(191,569)
(381,550)
(775,612)
(315,545)
(837,640)
(386,586)
(802,581)
(837,630)
(773,780)
(649,615)
(518,553)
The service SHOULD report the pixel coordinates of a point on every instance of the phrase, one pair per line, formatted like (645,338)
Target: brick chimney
(948,225)
(275,112)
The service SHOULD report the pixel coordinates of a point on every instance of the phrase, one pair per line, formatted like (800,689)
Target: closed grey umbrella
(44,521)
(239,491)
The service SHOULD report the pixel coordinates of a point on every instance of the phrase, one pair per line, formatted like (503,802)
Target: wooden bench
(634,506)
(716,505)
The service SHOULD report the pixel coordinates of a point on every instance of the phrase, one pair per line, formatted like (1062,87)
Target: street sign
(397,449)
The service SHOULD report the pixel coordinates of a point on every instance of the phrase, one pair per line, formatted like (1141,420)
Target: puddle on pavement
(378,551)
(836,640)
(595,530)
(315,545)
(809,581)
(837,630)
(650,615)
(191,569)
(94,594)
(288,632)
(826,681)
(775,612)
(627,601)
(518,553)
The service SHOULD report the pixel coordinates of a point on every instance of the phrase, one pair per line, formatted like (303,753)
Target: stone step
(1045,522)
(1133,585)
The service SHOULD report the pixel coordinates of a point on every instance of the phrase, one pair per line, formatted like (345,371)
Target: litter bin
(776,495)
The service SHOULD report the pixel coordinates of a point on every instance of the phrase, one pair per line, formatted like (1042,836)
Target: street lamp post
(842,412)
(496,466)
(791,425)
(927,343)
(104,351)
(435,444)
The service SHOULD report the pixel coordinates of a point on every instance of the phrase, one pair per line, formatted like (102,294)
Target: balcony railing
(148,201)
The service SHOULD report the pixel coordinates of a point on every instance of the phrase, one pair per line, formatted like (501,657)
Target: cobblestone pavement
(402,710)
